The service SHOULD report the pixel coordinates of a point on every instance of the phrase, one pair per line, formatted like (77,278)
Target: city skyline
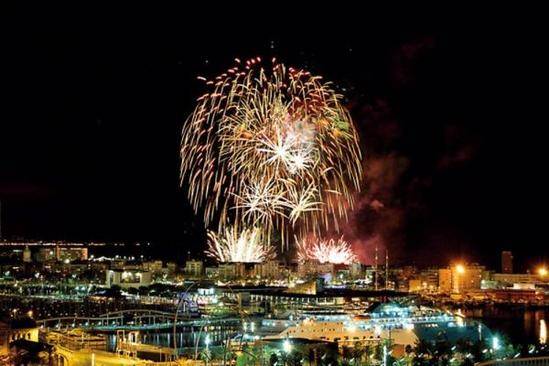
(96,157)
(272,185)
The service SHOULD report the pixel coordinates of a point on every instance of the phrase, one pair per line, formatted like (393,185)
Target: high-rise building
(506,262)
(445,280)
(468,277)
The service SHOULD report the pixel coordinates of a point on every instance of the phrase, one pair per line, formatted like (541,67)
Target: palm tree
(422,353)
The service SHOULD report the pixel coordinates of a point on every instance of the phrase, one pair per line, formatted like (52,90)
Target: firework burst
(273,149)
(234,245)
(326,251)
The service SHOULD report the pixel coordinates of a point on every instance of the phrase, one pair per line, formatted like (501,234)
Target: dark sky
(94,106)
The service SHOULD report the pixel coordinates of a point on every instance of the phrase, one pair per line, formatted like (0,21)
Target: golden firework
(273,149)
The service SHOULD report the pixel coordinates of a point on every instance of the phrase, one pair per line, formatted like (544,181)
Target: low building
(269,269)
(194,268)
(128,278)
(356,270)
(227,271)
(308,268)
(509,279)
(171,268)
(153,266)
(27,257)
(46,255)
(70,254)
(212,272)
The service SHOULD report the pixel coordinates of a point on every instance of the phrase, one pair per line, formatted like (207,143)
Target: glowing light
(351,327)
(287,346)
(377,330)
(244,246)
(408,326)
(460,268)
(542,331)
(326,251)
(542,271)
(495,343)
(271,147)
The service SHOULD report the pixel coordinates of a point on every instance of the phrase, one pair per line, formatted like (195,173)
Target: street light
(460,269)
(542,271)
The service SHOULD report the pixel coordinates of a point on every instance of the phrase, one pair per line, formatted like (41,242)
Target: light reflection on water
(185,339)
(520,325)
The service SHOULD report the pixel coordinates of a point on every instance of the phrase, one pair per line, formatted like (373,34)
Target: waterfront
(521,325)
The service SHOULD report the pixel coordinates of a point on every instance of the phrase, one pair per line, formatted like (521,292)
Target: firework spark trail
(270,148)
(234,245)
(326,251)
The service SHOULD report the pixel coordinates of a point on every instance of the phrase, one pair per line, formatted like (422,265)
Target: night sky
(94,104)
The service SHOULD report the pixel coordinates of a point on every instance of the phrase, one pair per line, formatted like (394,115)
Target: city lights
(379,217)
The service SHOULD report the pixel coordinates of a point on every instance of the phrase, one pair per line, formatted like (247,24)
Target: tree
(295,358)
(422,353)
(358,353)
(273,359)
(346,354)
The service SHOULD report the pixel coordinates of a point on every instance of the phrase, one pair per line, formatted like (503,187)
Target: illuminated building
(461,278)
(307,268)
(445,280)
(27,258)
(46,255)
(128,278)
(356,270)
(468,279)
(212,272)
(227,271)
(425,281)
(153,266)
(64,253)
(194,268)
(506,262)
(510,279)
(268,269)
(171,267)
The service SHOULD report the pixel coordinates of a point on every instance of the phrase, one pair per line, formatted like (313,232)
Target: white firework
(244,246)
(326,251)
